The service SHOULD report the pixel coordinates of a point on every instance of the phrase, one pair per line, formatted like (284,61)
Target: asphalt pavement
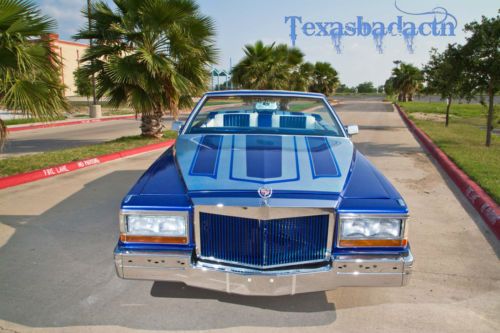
(56,265)
(70,136)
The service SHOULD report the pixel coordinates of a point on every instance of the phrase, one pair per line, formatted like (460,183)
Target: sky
(356,58)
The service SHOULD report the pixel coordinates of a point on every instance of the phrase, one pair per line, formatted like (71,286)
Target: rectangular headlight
(365,230)
(154,227)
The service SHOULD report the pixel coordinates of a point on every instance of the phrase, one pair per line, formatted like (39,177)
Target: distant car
(264,193)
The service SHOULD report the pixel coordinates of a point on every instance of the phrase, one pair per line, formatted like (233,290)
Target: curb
(482,202)
(66,123)
(32,176)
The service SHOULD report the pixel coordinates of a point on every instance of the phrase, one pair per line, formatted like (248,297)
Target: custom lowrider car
(264,193)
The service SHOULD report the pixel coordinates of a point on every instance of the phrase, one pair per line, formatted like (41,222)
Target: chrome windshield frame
(271,93)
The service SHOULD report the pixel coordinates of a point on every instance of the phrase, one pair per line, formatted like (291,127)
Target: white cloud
(67,13)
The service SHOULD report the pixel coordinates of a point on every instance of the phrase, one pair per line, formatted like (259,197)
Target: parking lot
(56,265)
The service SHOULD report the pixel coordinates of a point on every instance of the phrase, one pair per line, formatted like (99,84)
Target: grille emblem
(265,193)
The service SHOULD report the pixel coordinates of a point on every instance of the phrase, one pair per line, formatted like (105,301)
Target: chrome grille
(264,243)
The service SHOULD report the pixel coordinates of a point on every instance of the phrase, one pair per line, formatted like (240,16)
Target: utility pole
(230,73)
(95,109)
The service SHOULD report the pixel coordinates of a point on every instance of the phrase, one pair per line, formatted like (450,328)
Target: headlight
(154,227)
(365,230)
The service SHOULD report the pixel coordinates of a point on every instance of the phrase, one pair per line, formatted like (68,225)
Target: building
(70,53)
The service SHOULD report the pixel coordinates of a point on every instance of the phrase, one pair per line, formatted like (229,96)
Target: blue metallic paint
(161,187)
(322,158)
(264,156)
(206,159)
(264,181)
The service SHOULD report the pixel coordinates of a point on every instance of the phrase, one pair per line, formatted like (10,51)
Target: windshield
(265,115)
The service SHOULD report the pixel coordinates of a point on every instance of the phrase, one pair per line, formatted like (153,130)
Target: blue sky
(240,22)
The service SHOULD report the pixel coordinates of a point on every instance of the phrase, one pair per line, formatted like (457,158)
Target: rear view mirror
(177,125)
(352,129)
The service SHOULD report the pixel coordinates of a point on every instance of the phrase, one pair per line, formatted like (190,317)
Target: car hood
(285,163)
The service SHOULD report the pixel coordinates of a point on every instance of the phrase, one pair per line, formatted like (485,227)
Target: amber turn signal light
(373,242)
(152,239)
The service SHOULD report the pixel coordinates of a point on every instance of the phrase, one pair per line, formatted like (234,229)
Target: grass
(14,165)
(80,109)
(465,111)
(463,140)
(298,107)
(20,121)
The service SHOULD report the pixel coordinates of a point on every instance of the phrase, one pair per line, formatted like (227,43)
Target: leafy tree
(406,80)
(152,55)
(267,66)
(389,86)
(444,74)
(325,79)
(482,68)
(83,83)
(29,69)
(366,87)
(342,88)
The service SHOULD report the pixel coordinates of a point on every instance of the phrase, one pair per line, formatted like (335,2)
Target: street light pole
(95,109)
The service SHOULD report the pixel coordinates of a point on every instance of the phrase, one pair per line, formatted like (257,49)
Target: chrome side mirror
(177,125)
(352,129)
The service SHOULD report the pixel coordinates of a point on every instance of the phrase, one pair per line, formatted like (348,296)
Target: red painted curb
(27,177)
(482,202)
(66,123)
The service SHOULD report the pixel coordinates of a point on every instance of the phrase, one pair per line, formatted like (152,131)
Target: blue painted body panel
(316,168)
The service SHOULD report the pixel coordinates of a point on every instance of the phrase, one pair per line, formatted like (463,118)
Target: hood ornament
(265,193)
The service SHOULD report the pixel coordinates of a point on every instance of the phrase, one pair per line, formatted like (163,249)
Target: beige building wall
(70,53)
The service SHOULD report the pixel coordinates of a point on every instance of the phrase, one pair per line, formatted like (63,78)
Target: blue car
(264,193)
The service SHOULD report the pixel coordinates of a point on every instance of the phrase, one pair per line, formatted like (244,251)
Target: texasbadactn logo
(437,23)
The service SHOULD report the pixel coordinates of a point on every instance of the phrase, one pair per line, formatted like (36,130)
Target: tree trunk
(410,97)
(400,97)
(489,123)
(3,133)
(151,125)
(448,105)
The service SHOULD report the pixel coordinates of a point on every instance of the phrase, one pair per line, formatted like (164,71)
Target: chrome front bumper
(343,271)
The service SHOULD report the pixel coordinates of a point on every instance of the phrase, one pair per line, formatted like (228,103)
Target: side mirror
(352,129)
(177,125)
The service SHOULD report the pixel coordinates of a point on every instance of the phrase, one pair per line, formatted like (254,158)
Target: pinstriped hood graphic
(214,162)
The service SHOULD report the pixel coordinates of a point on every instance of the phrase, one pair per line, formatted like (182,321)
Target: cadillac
(264,193)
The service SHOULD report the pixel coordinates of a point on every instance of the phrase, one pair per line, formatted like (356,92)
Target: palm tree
(406,79)
(302,77)
(325,79)
(267,66)
(151,55)
(29,69)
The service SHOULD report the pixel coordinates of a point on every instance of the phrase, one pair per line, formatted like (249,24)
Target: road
(54,138)
(56,267)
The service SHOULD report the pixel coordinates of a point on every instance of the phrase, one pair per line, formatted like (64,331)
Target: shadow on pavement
(311,302)
(57,270)
(471,211)
(372,149)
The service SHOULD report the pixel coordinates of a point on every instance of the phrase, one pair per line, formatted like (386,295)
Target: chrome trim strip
(263,213)
(277,93)
(227,262)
